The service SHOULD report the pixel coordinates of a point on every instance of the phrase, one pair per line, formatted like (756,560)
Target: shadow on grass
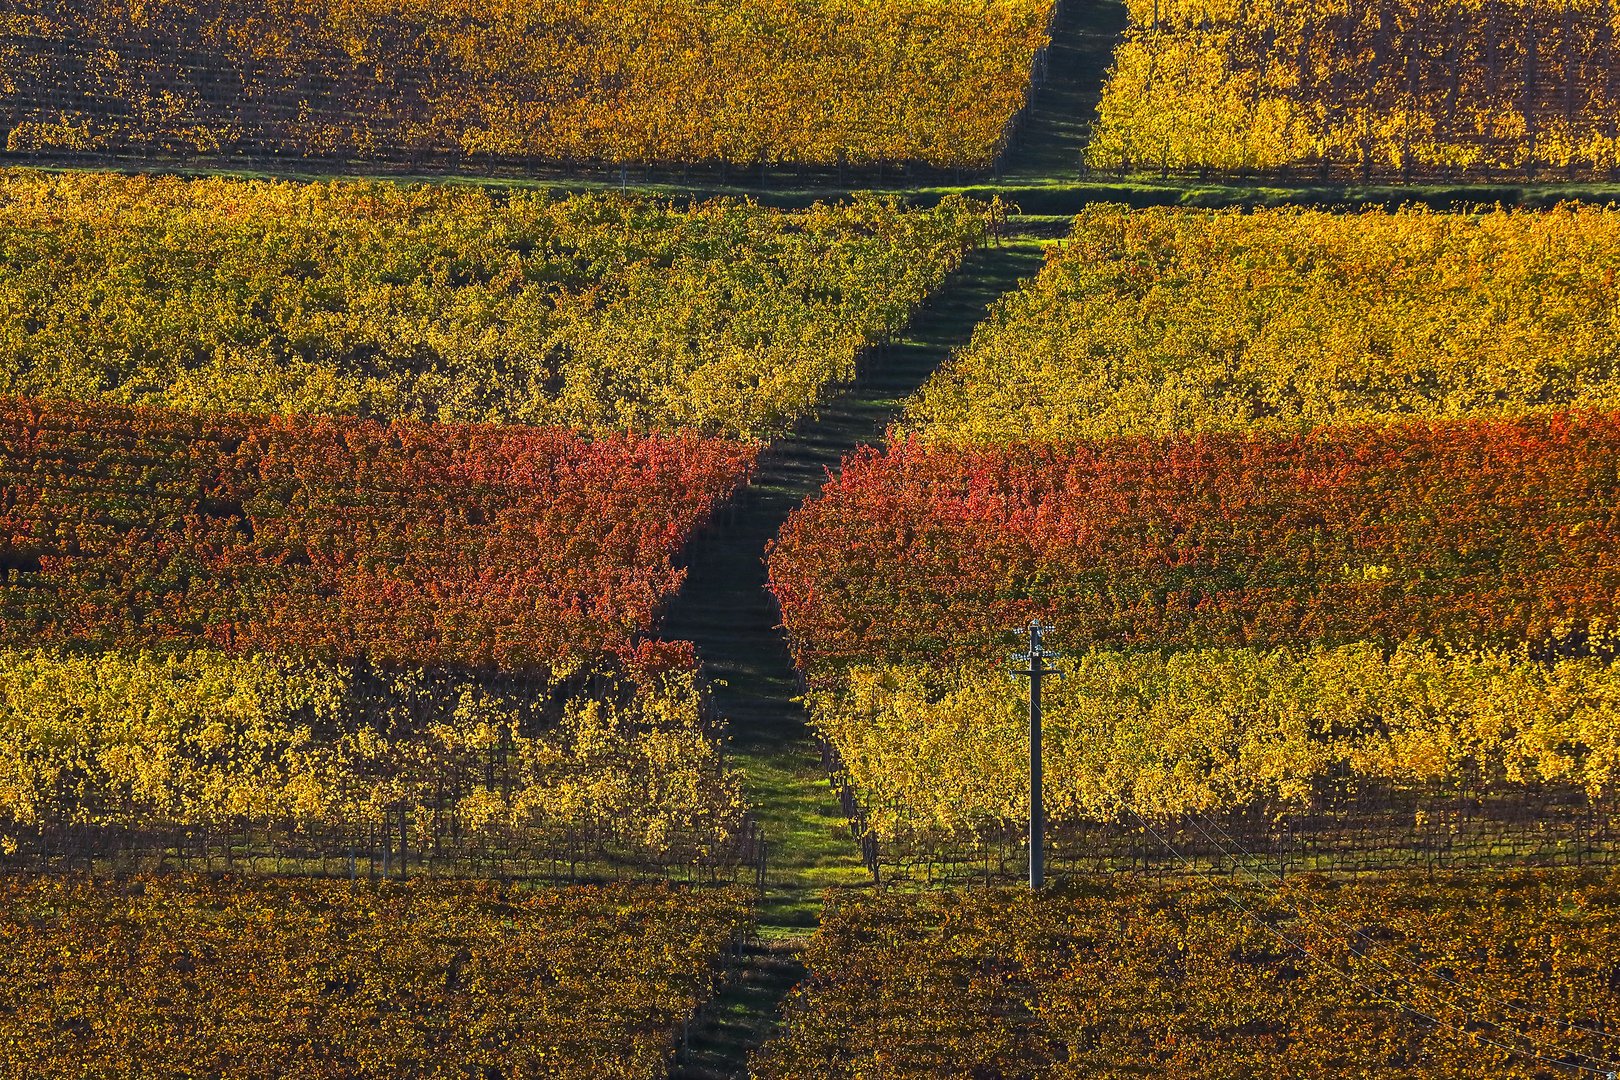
(726,608)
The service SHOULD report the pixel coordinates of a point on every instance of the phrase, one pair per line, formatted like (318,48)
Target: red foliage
(652,657)
(1481,531)
(409,543)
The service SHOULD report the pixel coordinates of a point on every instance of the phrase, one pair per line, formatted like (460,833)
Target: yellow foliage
(944,751)
(201,737)
(600,312)
(635,81)
(1425,86)
(1164,322)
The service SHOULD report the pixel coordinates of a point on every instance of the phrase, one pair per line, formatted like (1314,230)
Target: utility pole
(1036,657)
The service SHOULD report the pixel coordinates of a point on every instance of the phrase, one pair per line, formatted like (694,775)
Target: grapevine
(1124,977)
(1163,322)
(601,313)
(162,976)
(409,543)
(1410,88)
(645,82)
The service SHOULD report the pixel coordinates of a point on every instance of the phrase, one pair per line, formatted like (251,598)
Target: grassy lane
(1047,151)
(725,608)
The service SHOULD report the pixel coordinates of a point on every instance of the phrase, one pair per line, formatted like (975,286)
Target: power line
(1374,992)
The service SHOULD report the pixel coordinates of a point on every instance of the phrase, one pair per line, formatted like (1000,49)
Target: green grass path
(726,609)
(1048,149)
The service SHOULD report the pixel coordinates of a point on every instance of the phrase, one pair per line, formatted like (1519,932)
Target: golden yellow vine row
(1161,322)
(453,304)
(131,739)
(1475,87)
(942,752)
(637,81)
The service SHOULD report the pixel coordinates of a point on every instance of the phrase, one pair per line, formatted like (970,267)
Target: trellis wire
(1534,1053)
(1348,826)
(425,834)
(259,111)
